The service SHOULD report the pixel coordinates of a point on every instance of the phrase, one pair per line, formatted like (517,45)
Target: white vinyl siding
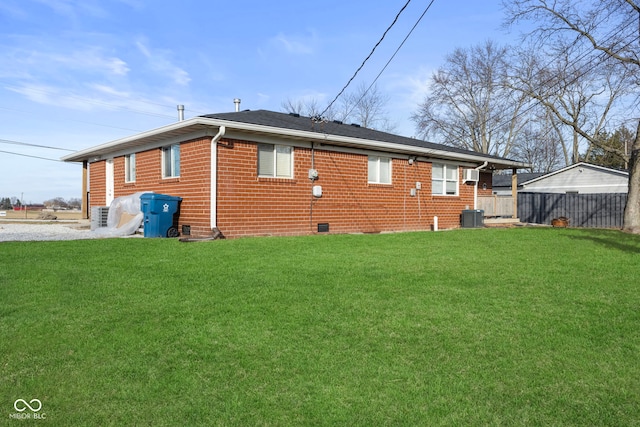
(275,161)
(379,170)
(171,161)
(444,180)
(130,167)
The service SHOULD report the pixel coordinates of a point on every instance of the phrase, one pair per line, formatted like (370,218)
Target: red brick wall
(485,178)
(97,184)
(193,185)
(249,205)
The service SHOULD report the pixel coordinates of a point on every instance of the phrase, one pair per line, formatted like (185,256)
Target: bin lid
(158,196)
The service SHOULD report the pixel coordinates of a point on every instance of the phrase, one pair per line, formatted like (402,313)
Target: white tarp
(125,216)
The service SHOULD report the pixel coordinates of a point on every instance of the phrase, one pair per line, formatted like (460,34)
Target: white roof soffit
(208,127)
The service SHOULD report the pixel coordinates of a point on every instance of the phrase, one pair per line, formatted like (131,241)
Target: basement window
(275,161)
(171,161)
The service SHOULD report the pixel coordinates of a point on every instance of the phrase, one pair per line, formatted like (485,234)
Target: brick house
(253,173)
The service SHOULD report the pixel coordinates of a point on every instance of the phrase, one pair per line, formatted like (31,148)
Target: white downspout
(214,175)
(475,187)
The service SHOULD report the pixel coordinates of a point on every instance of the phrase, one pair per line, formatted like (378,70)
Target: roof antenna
(237,102)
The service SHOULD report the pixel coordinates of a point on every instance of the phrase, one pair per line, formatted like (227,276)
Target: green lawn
(470,327)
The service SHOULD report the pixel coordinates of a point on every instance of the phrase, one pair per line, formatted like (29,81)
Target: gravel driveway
(13,232)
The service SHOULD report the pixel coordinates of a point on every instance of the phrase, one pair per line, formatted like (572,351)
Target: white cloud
(73,9)
(40,60)
(409,88)
(291,44)
(53,96)
(110,91)
(294,44)
(93,60)
(13,10)
(159,61)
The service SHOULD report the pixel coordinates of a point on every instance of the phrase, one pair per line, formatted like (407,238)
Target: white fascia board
(180,128)
(120,144)
(329,139)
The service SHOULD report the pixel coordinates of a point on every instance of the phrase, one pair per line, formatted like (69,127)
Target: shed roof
(504,180)
(598,168)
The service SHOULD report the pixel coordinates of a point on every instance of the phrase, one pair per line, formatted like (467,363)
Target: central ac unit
(471,175)
(99,215)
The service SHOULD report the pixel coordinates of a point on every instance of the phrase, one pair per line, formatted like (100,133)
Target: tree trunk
(632,209)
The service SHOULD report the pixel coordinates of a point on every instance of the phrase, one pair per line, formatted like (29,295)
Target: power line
(367,58)
(28,155)
(392,56)
(581,70)
(8,141)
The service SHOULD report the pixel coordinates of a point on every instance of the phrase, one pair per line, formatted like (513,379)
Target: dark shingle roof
(504,180)
(297,122)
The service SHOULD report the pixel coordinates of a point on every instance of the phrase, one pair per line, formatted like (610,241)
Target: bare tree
(470,106)
(307,108)
(610,29)
(365,106)
(538,144)
(578,95)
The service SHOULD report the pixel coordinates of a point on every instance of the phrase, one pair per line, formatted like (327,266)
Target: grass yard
(525,326)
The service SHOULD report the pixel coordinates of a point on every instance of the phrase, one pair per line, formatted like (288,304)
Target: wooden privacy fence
(496,205)
(604,210)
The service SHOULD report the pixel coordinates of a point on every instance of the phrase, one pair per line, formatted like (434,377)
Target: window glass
(265,160)
(451,187)
(438,171)
(379,170)
(275,160)
(452,173)
(444,180)
(130,167)
(373,168)
(175,159)
(437,187)
(171,161)
(385,170)
(283,161)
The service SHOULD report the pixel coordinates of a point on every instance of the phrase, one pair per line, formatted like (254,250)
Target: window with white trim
(275,161)
(171,161)
(444,179)
(130,167)
(379,170)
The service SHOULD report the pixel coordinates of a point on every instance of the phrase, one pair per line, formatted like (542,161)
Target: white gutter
(214,176)
(201,122)
(475,187)
(380,145)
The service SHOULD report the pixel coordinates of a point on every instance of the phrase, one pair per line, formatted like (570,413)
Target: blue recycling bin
(161,213)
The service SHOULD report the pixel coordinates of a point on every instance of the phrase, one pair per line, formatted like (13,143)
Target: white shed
(580,178)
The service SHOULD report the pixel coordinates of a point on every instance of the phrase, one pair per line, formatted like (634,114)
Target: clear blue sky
(77,73)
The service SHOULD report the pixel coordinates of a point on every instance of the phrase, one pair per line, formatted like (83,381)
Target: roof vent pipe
(180,112)
(237,102)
